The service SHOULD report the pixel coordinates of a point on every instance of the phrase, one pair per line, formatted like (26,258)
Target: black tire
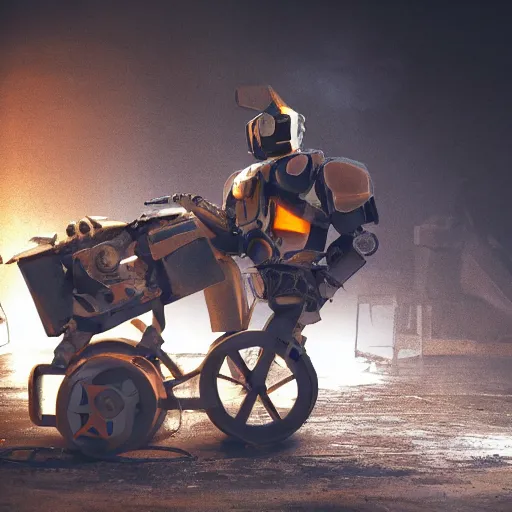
(278,429)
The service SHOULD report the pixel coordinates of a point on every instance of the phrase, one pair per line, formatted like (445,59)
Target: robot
(277,212)
(281,209)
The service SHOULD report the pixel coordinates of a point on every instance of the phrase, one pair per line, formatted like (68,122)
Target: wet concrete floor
(429,436)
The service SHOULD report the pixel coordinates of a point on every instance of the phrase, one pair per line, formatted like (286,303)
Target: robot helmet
(277,130)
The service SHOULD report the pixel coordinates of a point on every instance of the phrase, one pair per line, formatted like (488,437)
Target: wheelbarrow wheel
(259,400)
(109,404)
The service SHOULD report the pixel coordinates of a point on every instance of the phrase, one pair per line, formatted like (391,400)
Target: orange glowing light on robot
(285,220)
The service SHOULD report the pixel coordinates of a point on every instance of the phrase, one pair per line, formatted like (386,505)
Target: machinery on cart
(257,386)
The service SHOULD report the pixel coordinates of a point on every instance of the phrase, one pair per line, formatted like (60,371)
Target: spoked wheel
(109,404)
(256,388)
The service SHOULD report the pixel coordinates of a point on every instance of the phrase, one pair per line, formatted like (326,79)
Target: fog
(104,106)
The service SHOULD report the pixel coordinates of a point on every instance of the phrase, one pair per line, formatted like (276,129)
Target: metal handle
(158,200)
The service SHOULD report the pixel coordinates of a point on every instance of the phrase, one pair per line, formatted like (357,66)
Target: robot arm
(213,216)
(344,257)
(344,187)
(217,219)
(345,190)
(227,237)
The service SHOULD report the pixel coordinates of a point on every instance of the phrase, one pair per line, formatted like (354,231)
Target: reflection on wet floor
(475,445)
(440,410)
(17,363)
(442,413)
(333,373)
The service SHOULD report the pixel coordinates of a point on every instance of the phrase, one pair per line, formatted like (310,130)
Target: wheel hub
(109,403)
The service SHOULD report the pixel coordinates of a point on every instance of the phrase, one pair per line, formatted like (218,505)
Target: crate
(391,327)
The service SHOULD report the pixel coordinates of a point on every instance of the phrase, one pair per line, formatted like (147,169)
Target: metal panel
(192,268)
(51,291)
(227,301)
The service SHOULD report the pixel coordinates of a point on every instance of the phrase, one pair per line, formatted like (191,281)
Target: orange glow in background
(74,143)
(70,146)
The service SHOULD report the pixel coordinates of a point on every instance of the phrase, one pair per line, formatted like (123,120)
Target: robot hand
(215,218)
(366,243)
(198,205)
(344,257)
(362,241)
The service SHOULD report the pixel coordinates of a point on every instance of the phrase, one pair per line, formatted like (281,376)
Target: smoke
(347,82)
(104,106)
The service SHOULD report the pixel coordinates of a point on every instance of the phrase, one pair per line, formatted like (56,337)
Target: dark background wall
(106,104)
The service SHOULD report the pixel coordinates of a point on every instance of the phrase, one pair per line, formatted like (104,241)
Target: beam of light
(330,342)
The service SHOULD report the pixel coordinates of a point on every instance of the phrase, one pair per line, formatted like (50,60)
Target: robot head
(277,130)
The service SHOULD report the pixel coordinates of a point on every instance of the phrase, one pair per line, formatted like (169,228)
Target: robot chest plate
(271,226)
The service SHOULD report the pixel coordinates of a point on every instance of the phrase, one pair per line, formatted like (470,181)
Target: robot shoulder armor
(242,182)
(295,172)
(348,181)
(308,160)
(228,186)
(296,164)
(317,157)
